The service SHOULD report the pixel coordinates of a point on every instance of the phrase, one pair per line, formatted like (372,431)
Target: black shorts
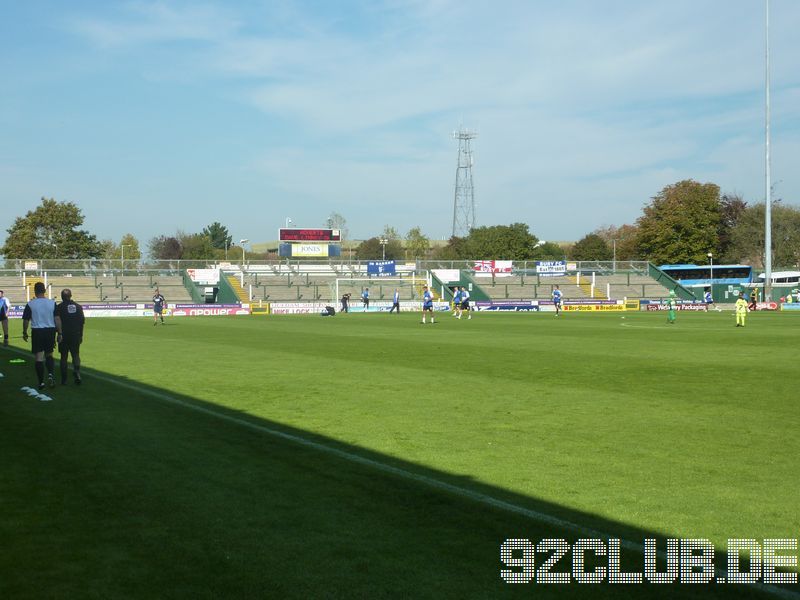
(158,311)
(70,345)
(43,340)
(465,305)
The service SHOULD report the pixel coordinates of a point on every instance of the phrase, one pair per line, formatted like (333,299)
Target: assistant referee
(40,314)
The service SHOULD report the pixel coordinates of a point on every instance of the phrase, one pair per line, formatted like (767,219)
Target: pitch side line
(431,482)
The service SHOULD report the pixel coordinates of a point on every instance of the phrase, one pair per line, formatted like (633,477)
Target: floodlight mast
(464,200)
(768,176)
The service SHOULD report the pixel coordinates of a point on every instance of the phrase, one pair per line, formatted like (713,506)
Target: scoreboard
(309,235)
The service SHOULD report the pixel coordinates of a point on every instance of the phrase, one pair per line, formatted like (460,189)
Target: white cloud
(595,105)
(153,22)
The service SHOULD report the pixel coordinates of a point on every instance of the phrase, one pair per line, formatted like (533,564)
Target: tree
(390,233)
(591,247)
(131,244)
(501,242)
(195,246)
(681,224)
(51,231)
(621,240)
(337,221)
(372,249)
(417,243)
(747,237)
(219,236)
(107,249)
(164,247)
(549,251)
(132,251)
(731,209)
(454,250)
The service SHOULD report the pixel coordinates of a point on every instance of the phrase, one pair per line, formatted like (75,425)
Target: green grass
(626,426)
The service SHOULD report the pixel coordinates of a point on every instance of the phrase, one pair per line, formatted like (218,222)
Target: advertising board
(306,249)
(381,268)
(204,276)
(551,267)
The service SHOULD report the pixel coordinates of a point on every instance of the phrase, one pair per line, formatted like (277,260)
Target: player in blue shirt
(427,303)
(395,301)
(159,304)
(457,301)
(709,300)
(365,299)
(557,299)
(465,303)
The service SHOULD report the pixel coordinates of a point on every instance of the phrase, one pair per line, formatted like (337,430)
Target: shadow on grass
(118,489)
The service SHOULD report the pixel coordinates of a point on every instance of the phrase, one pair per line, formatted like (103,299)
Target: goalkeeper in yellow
(741,310)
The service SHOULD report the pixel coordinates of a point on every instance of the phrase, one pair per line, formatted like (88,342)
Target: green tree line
(682,223)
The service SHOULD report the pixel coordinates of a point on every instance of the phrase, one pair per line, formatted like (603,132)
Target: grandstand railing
(115,280)
(92,266)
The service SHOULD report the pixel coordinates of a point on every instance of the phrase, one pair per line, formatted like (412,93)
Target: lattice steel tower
(464,201)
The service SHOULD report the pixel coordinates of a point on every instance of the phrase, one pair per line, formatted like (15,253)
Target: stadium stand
(301,281)
(101,288)
(531,287)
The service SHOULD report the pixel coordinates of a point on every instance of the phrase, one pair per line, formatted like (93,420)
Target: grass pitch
(175,470)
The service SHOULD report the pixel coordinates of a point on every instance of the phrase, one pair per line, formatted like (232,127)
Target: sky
(161,116)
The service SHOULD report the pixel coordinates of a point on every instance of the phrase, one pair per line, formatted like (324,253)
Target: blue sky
(158,116)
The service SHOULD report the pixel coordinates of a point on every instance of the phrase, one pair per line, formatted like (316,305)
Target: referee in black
(72,319)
